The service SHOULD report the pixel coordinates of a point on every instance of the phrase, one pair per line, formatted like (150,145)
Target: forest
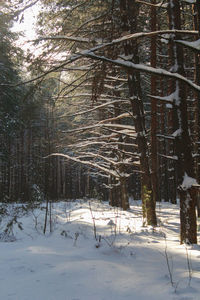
(101,104)
(108,107)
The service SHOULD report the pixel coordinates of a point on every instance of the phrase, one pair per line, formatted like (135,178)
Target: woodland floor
(126,261)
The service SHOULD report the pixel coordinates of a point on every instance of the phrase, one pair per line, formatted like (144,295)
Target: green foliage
(24,113)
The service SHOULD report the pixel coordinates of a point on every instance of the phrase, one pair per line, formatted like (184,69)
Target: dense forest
(105,103)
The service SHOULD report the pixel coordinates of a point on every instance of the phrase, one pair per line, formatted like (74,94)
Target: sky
(27,25)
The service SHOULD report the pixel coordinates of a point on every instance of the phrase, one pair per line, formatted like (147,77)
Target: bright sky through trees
(26,25)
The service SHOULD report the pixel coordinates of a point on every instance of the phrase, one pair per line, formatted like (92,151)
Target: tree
(108,50)
(182,137)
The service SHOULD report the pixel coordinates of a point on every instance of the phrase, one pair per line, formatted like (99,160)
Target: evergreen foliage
(114,103)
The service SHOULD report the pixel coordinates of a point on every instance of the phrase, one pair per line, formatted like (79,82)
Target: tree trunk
(129,13)
(183,149)
(196,14)
(124,194)
(154,159)
(188,233)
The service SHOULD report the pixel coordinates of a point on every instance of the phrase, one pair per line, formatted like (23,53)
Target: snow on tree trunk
(154,125)
(183,149)
(129,14)
(196,21)
(188,232)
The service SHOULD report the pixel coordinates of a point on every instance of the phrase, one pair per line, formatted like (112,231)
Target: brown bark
(172,121)
(154,158)
(129,13)
(188,220)
(183,149)
(124,194)
(196,14)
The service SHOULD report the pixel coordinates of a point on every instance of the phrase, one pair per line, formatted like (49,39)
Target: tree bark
(196,14)
(154,156)
(183,149)
(129,13)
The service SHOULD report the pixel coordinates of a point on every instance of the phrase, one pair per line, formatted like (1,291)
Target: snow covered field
(125,262)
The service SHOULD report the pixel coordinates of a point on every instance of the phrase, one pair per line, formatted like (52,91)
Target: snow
(190,1)
(127,64)
(139,67)
(177,132)
(174,157)
(168,105)
(194,45)
(173,97)
(126,261)
(188,182)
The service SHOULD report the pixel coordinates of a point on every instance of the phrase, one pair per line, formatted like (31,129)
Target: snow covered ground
(126,261)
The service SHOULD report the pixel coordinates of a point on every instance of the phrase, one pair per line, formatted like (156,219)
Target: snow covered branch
(143,68)
(87,163)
